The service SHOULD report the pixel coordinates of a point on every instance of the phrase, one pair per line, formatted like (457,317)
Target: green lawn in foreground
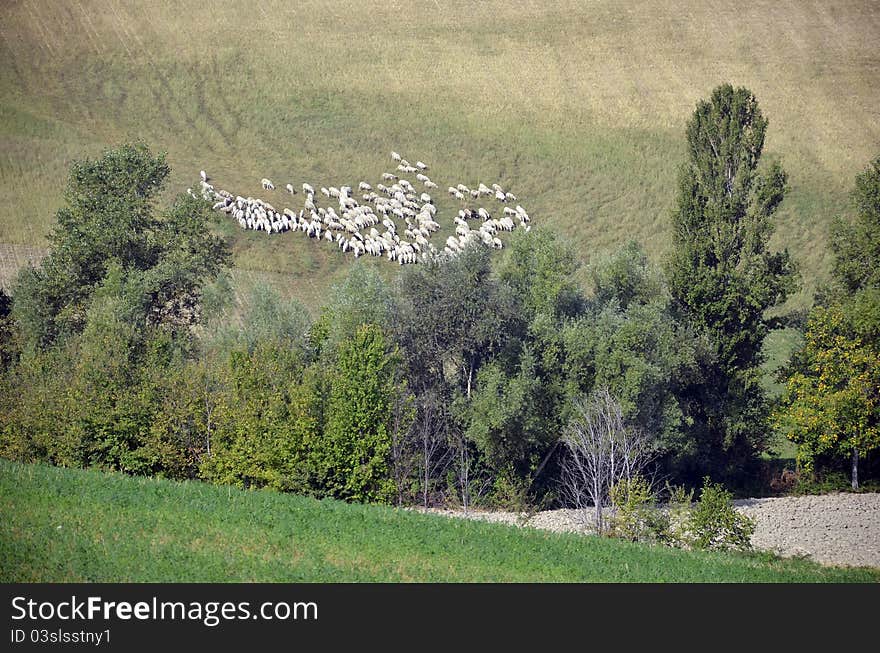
(60,525)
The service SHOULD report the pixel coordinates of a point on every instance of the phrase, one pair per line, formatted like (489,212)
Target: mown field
(61,525)
(578,107)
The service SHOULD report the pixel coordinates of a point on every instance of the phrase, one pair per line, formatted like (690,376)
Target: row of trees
(456,382)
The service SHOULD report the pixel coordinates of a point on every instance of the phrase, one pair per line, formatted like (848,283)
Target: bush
(715,524)
(636,517)
(679,509)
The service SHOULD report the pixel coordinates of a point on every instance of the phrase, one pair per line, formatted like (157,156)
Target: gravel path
(834,529)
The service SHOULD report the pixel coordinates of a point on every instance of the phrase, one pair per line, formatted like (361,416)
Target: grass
(578,107)
(61,525)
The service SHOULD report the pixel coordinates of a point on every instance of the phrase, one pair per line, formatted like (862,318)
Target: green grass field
(60,525)
(578,107)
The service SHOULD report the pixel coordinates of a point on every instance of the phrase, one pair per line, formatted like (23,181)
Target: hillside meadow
(62,525)
(578,107)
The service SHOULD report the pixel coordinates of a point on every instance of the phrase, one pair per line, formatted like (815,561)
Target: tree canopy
(722,275)
(110,218)
(831,406)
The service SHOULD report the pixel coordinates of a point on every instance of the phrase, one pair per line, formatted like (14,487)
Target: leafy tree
(518,406)
(831,407)
(267,320)
(625,278)
(451,318)
(509,416)
(354,453)
(8,346)
(542,271)
(856,244)
(110,216)
(266,421)
(363,297)
(630,340)
(722,275)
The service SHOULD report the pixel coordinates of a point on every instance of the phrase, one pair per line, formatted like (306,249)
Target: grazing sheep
(203,175)
(421,166)
(267,184)
(308,189)
(395,156)
(290,189)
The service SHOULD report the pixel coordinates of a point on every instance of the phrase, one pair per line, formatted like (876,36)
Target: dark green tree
(518,407)
(451,318)
(8,347)
(856,244)
(110,217)
(723,276)
(630,341)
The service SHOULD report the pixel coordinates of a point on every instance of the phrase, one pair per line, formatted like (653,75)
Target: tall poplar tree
(722,275)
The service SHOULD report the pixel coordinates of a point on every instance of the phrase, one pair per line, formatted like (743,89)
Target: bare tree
(404,450)
(430,431)
(602,451)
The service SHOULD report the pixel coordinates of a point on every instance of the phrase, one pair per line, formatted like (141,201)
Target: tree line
(457,382)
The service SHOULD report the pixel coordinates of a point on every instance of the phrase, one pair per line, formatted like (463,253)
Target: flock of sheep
(354,225)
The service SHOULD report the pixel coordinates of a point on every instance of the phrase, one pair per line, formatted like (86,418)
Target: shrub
(715,524)
(679,509)
(636,516)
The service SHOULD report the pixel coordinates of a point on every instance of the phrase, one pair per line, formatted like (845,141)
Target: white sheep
(308,189)
(290,189)
(421,166)
(395,156)
(267,184)
(203,175)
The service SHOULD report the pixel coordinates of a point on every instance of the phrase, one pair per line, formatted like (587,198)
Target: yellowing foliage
(831,402)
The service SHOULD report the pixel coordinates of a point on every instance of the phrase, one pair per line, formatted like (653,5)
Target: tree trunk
(855,469)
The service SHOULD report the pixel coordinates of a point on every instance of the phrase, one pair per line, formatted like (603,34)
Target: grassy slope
(71,525)
(578,106)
